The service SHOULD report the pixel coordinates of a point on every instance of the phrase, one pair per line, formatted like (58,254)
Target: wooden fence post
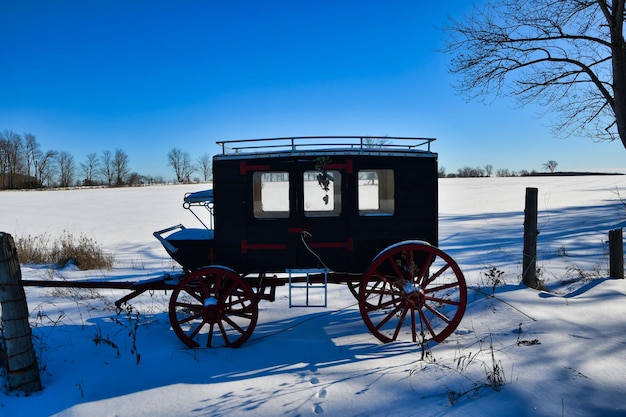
(19,353)
(616,253)
(529,262)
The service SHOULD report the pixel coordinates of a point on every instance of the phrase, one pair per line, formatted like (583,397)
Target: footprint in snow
(317,409)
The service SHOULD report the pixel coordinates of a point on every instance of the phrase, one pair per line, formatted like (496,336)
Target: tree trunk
(19,353)
(618,61)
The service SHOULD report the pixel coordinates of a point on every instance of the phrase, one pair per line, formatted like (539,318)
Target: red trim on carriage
(244,168)
(347,166)
(347,244)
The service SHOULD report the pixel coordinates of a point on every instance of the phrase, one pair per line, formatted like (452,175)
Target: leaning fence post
(529,262)
(616,253)
(19,353)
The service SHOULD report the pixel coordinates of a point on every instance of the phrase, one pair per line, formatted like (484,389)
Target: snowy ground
(558,353)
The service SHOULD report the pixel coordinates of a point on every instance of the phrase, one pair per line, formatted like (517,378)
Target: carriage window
(376,192)
(271,194)
(322,193)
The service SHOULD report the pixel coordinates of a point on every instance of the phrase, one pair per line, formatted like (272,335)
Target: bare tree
(45,168)
(90,169)
(550,166)
(67,169)
(181,163)
(204,165)
(11,159)
(375,143)
(503,172)
(5,180)
(489,169)
(135,178)
(32,153)
(174,159)
(470,172)
(569,56)
(106,167)
(188,167)
(120,167)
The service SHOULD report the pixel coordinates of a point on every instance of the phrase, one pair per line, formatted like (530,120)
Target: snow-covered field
(560,352)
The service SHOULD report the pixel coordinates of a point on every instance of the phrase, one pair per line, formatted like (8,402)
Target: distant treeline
(487,171)
(23,164)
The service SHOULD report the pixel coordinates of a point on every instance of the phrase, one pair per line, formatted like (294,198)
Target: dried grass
(82,251)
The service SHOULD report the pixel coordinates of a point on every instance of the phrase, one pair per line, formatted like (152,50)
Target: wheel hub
(211,311)
(414,294)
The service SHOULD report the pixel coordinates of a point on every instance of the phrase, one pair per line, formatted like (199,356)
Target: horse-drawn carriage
(360,211)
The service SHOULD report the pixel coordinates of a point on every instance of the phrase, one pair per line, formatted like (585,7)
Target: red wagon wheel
(214,307)
(412,291)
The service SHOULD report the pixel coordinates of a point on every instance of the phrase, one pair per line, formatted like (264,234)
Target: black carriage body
(260,230)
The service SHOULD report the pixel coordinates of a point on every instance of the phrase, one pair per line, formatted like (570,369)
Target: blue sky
(149,76)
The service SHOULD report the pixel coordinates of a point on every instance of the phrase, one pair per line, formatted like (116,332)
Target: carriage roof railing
(304,143)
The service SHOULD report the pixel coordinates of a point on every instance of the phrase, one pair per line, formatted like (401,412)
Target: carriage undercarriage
(399,299)
(411,292)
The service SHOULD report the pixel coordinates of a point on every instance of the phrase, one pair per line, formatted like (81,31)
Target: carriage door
(320,229)
(297,217)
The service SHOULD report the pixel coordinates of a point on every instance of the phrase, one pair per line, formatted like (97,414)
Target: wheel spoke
(395,267)
(234,325)
(209,340)
(244,314)
(441,287)
(231,304)
(442,301)
(423,271)
(197,329)
(381,290)
(190,318)
(400,322)
(195,294)
(383,305)
(411,268)
(204,291)
(425,320)
(437,313)
(436,275)
(224,334)
(388,317)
